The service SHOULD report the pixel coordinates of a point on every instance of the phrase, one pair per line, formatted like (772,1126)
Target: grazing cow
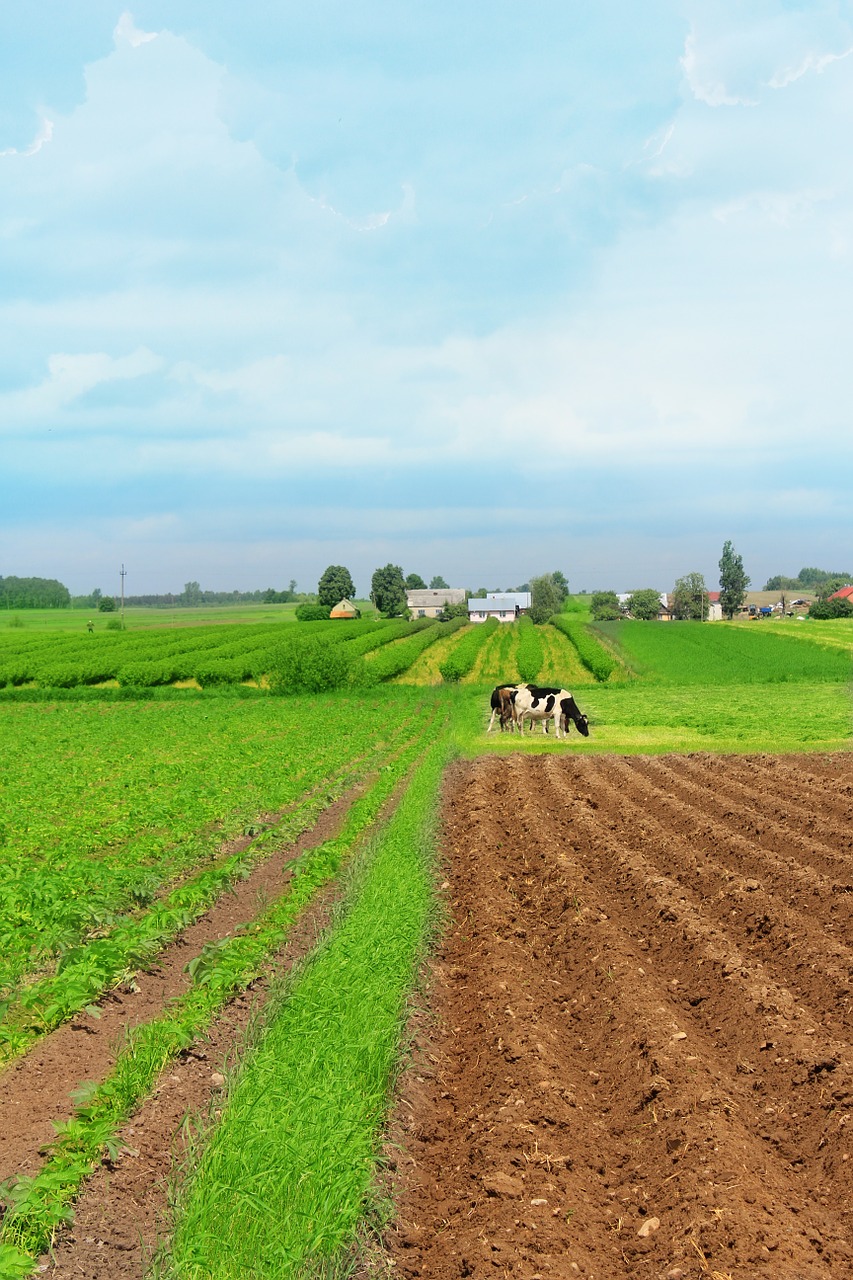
(502,706)
(534,703)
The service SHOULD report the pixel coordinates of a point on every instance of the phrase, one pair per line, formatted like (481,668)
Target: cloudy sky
(483,290)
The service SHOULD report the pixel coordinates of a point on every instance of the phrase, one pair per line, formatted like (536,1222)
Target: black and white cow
(533,703)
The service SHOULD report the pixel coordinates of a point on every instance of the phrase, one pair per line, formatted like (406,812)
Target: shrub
(824,609)
(308,667)
(313,612)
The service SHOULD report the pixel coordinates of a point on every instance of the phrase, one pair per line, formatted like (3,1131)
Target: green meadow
(133,760)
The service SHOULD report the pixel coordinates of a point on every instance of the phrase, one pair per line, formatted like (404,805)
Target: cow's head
(571,712)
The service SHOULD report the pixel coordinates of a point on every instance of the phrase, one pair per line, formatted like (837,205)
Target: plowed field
(638,1058)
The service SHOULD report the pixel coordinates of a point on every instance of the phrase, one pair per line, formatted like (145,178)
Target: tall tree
(335,585)
(690,597)
(733,581)
(604,606)
(414,582)
(388,590)
(545,598)
(438,584)
(644,604)
(561,582)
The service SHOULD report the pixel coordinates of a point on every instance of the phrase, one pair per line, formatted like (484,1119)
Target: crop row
(460,661)
(207,656)
(591,651)
(105,807)
(37,1205)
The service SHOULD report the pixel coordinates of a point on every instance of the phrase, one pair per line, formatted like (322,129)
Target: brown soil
(639,1056)
(638,1052)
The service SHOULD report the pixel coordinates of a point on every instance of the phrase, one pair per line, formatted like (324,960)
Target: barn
(344,609)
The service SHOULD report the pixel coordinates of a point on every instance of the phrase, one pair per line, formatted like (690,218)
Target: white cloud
(43,136)
(704,84)
(68,378)
(817,62)
(126,32)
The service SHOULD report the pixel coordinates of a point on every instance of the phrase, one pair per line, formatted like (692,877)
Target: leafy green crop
(720,653)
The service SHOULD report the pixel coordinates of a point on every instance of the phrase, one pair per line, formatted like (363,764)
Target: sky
(481,290)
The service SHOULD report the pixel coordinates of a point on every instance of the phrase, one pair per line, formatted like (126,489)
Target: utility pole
(123,576)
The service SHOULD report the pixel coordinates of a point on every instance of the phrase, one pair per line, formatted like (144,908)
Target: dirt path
(640,1062)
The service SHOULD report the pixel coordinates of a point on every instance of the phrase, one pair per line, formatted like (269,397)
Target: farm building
(506,606)
(843,593)
(344,609)
(429,603)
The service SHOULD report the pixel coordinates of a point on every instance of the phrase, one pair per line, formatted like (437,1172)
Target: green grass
(139,616)
(722,653)
(284,1178)
(632,718)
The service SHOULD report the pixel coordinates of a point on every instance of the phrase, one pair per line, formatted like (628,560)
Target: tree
(690,597)
(335,585)
(829,586)
(561,583)
(733,581)
(191,594)
(388,590)
(604,606)
(545,598)
(414,582)
(438,584)
(644,604)
(458,610)
(106,604)
(823,609)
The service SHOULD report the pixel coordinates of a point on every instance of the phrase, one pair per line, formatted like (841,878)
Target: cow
(535,703)
(502,706)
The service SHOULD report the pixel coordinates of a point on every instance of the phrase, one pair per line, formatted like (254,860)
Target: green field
(122,795)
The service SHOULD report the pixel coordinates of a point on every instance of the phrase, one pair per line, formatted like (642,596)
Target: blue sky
(482,290)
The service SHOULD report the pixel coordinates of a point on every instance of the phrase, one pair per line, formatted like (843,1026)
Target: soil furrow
(756,825)
(611,1088)
(743,895)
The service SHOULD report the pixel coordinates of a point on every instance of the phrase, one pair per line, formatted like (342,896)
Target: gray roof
(521,598)
(433,597)
(496,604)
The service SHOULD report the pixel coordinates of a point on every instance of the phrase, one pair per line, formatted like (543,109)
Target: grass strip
(283,1182)
(37,1206)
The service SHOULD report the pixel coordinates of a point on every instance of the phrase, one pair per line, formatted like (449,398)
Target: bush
(313,613)
(825,609)
(307,667)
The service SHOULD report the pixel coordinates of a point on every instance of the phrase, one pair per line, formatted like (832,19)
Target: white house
(506,606)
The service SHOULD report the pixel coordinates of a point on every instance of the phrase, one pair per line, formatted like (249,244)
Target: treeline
(33,593)
(809,580)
